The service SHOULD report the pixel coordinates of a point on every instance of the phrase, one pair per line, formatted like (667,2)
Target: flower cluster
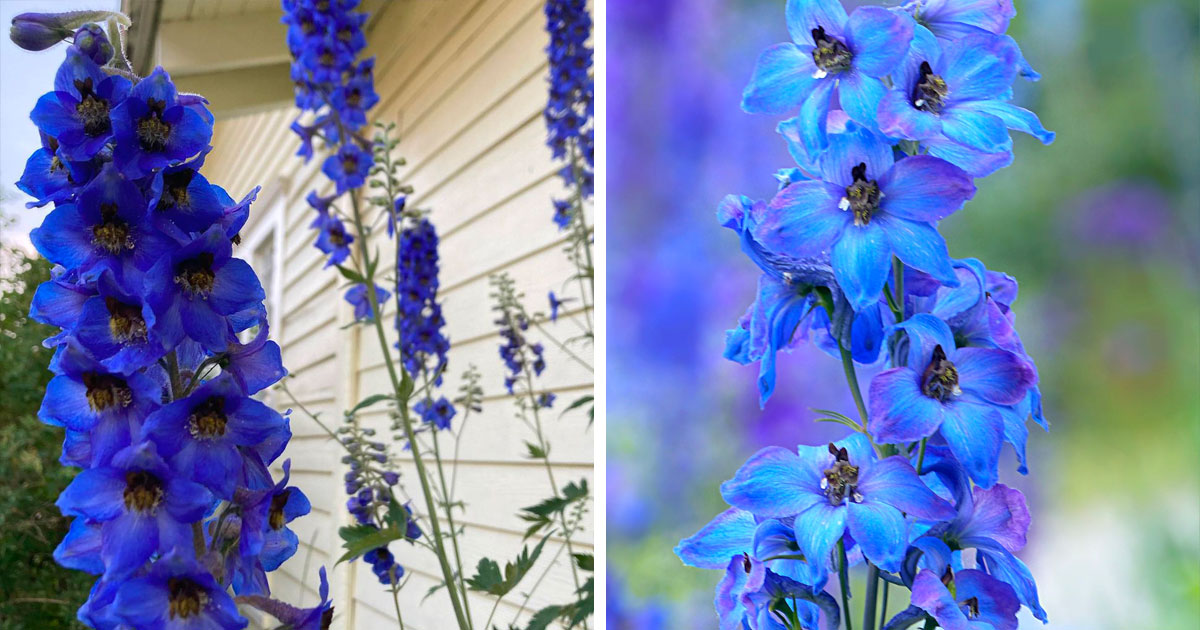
(163,343)
(369,482)
(850,255)
(518,354)
(325,38)
(570,108)
(419,321)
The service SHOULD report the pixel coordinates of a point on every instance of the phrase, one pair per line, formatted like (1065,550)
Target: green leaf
(360,539)
(579,402)
(543,618)
(535,451)
(351,275)
(585,561)
(368,401)
(487,576)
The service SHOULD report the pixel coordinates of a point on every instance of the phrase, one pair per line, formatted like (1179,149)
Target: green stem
(930,623)
(448,502)
(844,582)
(872,592)
(402,399)
(852,381)
(898,277)
(396,596)
(921,456)
(883,611)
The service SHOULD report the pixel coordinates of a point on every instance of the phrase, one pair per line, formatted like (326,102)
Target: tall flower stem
(869,602)
(844,582)
(448,502)
(402,388)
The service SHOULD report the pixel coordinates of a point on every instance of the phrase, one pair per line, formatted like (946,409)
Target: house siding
(465,81)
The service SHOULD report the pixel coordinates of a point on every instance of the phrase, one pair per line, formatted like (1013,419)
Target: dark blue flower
(955,100)
(46,178)
(84,396)
(255,365)
(181,197)
(348,167)
(829,52)
(562,213)
(119,329)
(153,127)
(39,31)
(177,593)
(106,228)
(358,298)
(956,391)
(955,19)
(837,489)
(437,413)
(200,435)
(865,208)
(81,111)
(265,516)
(332,238)
(145,508)
(195,288)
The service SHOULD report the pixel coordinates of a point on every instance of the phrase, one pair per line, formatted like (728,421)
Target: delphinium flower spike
(851,257)
(176,510)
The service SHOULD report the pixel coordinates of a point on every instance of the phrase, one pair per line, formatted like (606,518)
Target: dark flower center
(840,480)
(349,163)
(345,34)
(326,58)
(275,515)
(940,380)
(92,110)
(746,564)
(862,197)
(111,234)
(830,55)
(308,26)
(105,391)
(930,93)
(186,598)
(125,321)
(208,419)
(971,607)
(337,237)
(143,491)
(354,98)
(196,275)
(152,132)
(175,190)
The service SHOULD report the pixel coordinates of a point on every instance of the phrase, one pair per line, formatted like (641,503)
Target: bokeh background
(1100,229)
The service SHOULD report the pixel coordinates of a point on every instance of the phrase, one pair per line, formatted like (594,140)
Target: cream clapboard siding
(465,81)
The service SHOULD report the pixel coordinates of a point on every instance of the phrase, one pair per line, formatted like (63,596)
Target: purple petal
(997,376)
(900,411)
(1000,514)
(894,482)
(925,188)
(929,593)
(998,603)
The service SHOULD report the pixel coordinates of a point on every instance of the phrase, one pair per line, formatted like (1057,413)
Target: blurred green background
(1100,229)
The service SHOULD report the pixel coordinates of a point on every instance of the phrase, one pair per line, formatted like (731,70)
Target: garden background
(1100,229)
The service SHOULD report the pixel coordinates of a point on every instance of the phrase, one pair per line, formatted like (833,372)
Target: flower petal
(979,66)
(919,245)
(772,483)
(897,118)
(997,376)
(977,163)
(818,530)
(97,494)
(859,96)
(781,81)
(729,534)
(900,412)
(804,16)
(976,129)
(974,432)
(893,481)
(814,116)
(803,219)
(880,531)
(856,145)
(925,188)
(1013,117)
(879,39)
(861,263)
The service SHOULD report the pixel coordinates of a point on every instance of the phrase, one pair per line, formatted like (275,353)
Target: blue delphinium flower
(153,127)
(332,238)
(865,207)
(117,328)
(829,51)
(357,297)
(176,593)
(436,413)
(950,390)
(79,112)
(200,435)
(182,196)
(837,489)
(422,343)
(966,600)
(954,100)
(954,19)
(145,507)
(348,167)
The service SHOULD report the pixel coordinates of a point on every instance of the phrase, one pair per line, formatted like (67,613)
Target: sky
(25,76)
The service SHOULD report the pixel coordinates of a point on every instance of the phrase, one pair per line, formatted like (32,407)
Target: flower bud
(37,31)
(92,42)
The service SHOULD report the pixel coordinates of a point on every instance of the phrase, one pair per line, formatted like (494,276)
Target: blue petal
(980,66)
(900,412)
(997,601)
(804,219)
(814,116)
(897,118)
(856,145)
(235,288)
(977,163)
(976,129)
(925,188)
(803,16)
(929,593)
(974,432)
(1016,433)
(997,376)
(1013,117)
(80,549)
(187,501)
(97,494)
(925,331)
(772,483)
(860,95)
(918,245)
(879,38)
(129,541)
(894,482)
(142,603)
(861,261)
(936,555)
(880,530)
(782,80)
(818,530)
(63,238)
(729,534)
(990,15)
(1009,569)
